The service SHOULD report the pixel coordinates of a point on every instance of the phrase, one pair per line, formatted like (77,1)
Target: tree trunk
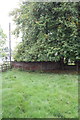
(62,63)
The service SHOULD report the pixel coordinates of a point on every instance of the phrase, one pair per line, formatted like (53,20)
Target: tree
(49,31)
(2,42)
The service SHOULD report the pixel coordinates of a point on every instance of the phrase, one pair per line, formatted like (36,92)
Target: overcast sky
(5,7)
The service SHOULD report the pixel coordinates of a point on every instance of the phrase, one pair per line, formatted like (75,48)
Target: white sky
(5,7)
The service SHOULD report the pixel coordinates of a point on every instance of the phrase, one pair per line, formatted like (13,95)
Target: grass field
(39,95)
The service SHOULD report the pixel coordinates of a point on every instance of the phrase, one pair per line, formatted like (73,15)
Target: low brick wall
(43,66)
(36,66)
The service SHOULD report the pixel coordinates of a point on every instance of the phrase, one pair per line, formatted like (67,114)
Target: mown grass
(39,95)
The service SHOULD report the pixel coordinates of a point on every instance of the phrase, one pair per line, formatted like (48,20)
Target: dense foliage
(2,42)
(49,31)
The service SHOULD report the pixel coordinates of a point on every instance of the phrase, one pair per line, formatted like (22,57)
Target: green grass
(0,96)
(39,95)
